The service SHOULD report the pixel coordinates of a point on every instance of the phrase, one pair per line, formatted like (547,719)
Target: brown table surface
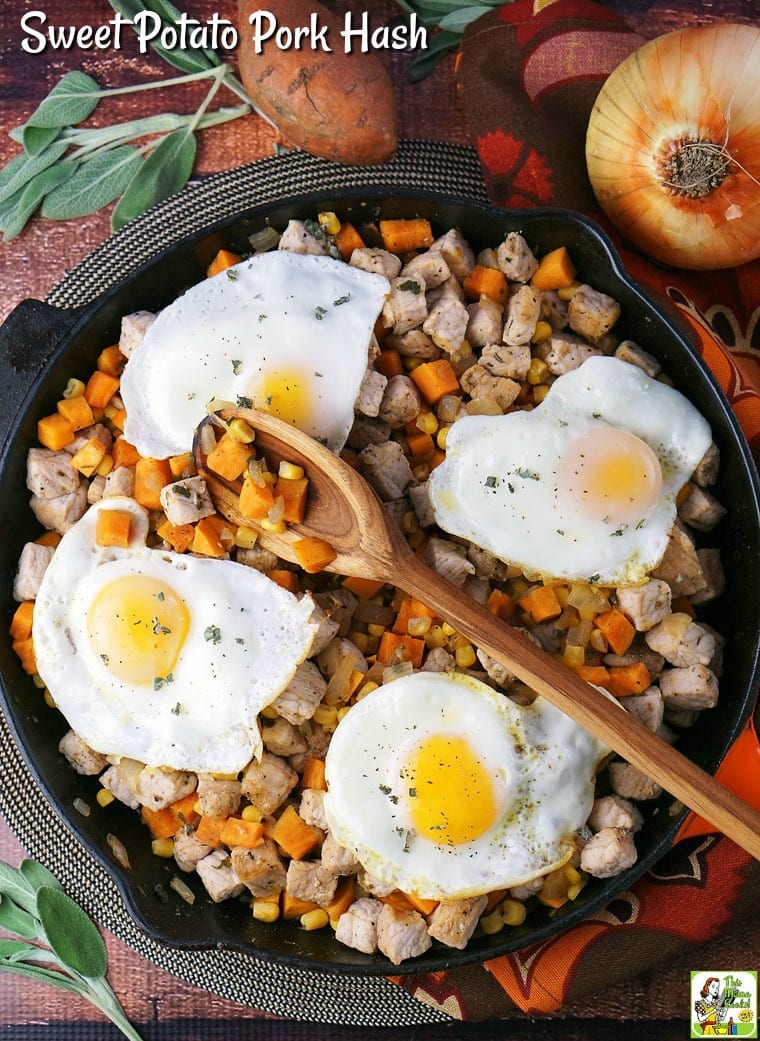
(161,1005)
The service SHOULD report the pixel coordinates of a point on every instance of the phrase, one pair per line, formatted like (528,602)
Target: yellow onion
(673,147)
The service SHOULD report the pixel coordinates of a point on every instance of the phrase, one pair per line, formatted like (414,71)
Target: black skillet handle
(28,338)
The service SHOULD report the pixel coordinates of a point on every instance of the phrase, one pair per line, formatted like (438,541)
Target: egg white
(277,311)
(498,485)
(542,766)
(246,637)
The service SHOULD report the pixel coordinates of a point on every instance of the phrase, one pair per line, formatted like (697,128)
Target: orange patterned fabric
(528,75)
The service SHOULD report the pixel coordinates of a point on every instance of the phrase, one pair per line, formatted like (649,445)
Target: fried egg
(283,332)
(582,487)
(161,657)
(445,788)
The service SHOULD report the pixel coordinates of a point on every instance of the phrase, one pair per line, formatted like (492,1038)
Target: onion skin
(693,85)
(336,105)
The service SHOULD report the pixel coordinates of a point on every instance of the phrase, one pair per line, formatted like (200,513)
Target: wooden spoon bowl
(344,511)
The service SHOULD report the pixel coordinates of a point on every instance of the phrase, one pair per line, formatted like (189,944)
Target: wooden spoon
(345,511)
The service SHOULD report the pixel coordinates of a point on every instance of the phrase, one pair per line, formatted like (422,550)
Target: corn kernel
(343,712)
(573,656)
(410,522)
(572,874)
(274,527)
(329,222)
(419,626)
(542,332)
(597,641)
(574,890)
(538,370)
(449,629)
(251,813)
(360,639)
(326,716)
(426,422)
(568,292)
(105,466)
(268,477)
(290,471)
(245,537)
(375,629)
(512,911)
(241,431)
(540,392)
(416,538)
(465,656)
(49,699)
(265,910)
(365,689)
(104,797)
(162,848)
(73,389)
(269,713)
(492,923)
(443,433)
(518,587)
(411,363)
(316,919)
(435,637)
(38,681)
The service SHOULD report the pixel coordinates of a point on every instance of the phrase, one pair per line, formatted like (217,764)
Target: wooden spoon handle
(587,705)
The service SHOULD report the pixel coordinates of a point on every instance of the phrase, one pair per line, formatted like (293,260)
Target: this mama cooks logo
(724,1004)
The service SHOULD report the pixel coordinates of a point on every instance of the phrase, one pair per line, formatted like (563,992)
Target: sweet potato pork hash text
(450,344)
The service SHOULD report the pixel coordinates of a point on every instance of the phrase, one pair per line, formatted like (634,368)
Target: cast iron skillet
(41,347)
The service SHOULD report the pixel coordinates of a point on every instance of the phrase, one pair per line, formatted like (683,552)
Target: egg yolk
(611,475)
(286,394)
(448,792)
(137,626)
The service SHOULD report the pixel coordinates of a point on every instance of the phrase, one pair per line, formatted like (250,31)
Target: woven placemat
(245,978)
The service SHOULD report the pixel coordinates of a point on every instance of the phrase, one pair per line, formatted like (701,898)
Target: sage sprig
(68,170)
(187,59)
(451,17)
(57,942)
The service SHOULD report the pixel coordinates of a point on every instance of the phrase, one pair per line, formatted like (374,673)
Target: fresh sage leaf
(37,875)
(95,183)
(424,63)
(170,14)
(15,949)
(72,936)
(15,920)
(36,139)
(457,21)
(42,975)
(163,173)
(8,207)
(22,169)
(188,59)
(74,97)
(15,886)
(32,196)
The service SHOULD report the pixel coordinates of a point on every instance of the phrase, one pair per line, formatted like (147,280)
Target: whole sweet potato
(337,105)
